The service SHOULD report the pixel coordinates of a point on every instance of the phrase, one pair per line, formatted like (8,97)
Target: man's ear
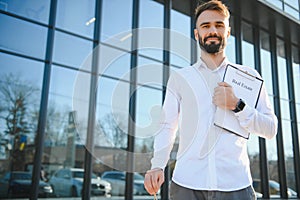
(229,31)
(196,34)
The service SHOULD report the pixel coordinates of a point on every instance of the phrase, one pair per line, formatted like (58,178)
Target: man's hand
(224,96)
(154,178)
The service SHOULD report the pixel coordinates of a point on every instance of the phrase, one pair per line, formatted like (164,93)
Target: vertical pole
(238,32)
(39,142)
(293,115)
(279,137)
(166,73)
(132,102)
(88,159)
(193,26)
(264,172)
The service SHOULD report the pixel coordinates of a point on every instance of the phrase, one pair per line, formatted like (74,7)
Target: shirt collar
(201,64)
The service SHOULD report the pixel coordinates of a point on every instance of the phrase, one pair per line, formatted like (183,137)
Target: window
(114,63)
(70,50)
(20,91)
(77,16)
(112,115)
(32,9)
(266,72)
(296,76)
(116,18)
(285,116)
(247,45)
(180,39)
(22,37)
(151,29)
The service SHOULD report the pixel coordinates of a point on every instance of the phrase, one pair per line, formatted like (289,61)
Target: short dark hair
(212,5)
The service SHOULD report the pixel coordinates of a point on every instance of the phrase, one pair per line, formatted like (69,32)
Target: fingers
(223,96)
(224,84)
(153,180)
(223,88)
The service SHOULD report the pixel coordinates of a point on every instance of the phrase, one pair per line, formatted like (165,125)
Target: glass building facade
(81,81)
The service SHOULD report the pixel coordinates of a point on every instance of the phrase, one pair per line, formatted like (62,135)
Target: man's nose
(213,29)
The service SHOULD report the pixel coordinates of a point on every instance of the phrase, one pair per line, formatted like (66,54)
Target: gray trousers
(181,193)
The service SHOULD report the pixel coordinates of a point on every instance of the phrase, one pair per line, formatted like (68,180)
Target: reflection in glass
(65,130)
(70,50)
(112,124)
(114,62)
(285,118)
(247,45)
(283,88)
(248,60)
(149,93)
(32,9)
(277,3)
(230,49)
(68,16)
(150,73)
(22,37)
(266,73)
(296,77)
(20,91)
(148,105)
(248,54)
(149,102)
(292,3)
(151,18)
(61,109)
(291,11)
(112,23)
(112,113)
(180,39)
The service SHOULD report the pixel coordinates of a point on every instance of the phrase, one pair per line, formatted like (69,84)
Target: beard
(212,47)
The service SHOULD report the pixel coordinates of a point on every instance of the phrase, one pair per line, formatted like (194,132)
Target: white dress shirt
(208,158)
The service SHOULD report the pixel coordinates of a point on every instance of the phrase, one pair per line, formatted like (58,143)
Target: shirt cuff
(245,113)
(157,164)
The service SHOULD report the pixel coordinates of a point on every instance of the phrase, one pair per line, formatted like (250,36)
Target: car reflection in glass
(68,182)
(18,184)
(274,189)
(118,182)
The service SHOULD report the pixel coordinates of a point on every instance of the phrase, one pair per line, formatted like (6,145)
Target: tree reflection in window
(16,100)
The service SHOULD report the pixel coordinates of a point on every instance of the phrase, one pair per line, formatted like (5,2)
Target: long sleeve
(260,121)
(166,135)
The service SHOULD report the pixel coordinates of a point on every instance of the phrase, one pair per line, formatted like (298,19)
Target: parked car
(69,182)
(117,181)
(18,184)
(274,188)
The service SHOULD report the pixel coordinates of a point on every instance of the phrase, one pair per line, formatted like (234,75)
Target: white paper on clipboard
(246,87)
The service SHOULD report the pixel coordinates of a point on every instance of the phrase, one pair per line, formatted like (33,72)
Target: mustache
(212,36)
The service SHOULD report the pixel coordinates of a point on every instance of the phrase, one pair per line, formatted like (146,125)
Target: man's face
(212,31)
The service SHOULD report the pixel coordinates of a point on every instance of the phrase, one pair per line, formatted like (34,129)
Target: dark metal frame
(193,26)
(88,160)
(293,114)
(238,33)
(279,137)
(132,101)
(263,164)
(166,73)
(44,104)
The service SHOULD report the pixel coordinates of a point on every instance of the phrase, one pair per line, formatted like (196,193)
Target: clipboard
(245,86)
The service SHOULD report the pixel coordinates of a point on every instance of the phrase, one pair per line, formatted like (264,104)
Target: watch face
(241,104)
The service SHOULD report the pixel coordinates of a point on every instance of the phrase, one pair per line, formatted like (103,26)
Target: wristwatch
(239,106)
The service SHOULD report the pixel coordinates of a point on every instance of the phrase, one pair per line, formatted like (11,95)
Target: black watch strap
(239,106)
